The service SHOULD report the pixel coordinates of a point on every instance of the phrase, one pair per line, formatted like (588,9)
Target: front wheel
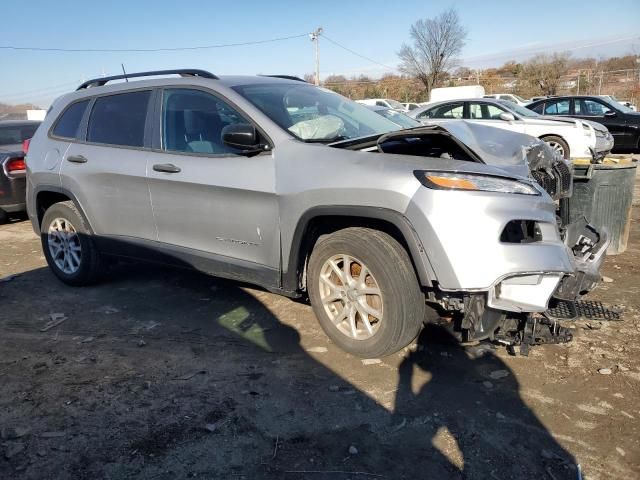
(364,292)
(67,245)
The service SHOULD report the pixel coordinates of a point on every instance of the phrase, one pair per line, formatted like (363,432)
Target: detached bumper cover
(524,293)
(589,247)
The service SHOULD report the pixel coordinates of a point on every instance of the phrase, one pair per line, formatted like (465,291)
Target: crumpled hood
(511,151)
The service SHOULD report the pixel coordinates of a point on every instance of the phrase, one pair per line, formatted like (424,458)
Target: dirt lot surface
(164,374)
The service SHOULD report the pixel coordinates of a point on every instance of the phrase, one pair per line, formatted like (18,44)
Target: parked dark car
(622,122)
(13,167)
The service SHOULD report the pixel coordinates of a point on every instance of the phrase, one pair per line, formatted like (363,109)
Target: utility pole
(314,36)
(600,84)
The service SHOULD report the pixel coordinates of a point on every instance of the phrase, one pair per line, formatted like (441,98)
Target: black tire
(4,217)
(560,141)
(89,269)
(402,300)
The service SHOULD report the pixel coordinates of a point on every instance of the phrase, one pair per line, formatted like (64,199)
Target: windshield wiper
(325,140)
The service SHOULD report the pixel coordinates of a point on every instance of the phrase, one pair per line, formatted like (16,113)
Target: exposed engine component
(524,332)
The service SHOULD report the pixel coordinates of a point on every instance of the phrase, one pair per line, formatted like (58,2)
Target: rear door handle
(77,159)
(166,168)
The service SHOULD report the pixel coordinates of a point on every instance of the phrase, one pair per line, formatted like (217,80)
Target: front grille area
(546,181)
(557,182)
(564,173)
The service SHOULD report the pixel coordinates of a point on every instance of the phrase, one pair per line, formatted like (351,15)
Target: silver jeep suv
(278,183)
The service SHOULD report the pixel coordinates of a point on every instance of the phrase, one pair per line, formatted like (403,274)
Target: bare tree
(544,71)
(436,44)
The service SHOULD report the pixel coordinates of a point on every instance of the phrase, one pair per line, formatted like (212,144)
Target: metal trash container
(603,193)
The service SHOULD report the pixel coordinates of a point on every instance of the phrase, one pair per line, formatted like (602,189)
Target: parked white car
(509,97)
(570,137)
(383,102)
(408,106)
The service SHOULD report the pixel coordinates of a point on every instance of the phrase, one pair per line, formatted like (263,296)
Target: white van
(455,93)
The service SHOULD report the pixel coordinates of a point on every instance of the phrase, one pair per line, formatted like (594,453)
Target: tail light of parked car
(15,165)
(25,146)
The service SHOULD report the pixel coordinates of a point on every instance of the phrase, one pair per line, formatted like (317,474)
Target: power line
(27,93)
(149,50)
(358,54)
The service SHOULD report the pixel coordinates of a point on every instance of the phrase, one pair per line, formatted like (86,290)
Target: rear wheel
(67,245)
(4,218)
(558,145)
(364,292)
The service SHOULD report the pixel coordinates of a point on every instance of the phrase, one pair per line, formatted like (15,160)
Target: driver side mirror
(507,117)
(610,114)
(244,137)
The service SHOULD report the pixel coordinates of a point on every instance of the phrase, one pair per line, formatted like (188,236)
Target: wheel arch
(319,221)
(47,195)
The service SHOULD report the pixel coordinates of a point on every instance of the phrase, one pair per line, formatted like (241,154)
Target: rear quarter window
(538,108)
(68,125)
(119,119)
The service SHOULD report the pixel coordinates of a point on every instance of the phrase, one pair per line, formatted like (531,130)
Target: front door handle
(77,159)
(166,168)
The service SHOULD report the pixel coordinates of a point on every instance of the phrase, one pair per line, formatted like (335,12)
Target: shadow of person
(466,403)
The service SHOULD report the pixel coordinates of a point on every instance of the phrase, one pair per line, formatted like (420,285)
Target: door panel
(112,188)
(219,202)
(108,174)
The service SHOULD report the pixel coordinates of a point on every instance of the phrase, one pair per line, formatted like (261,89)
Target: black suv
(622,122)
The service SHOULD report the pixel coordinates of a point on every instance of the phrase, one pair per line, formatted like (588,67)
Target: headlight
(473,182)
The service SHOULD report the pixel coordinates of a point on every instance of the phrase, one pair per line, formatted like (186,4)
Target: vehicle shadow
(165,374)
(471,412)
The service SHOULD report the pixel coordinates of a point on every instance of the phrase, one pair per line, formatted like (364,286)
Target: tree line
(431,59)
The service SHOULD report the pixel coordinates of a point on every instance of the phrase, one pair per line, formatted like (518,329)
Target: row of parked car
(575,126)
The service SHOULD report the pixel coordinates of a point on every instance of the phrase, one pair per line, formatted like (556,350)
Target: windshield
(15,134)
(398,118)
(615,104)
(314,114)
(395,104)
(520,110)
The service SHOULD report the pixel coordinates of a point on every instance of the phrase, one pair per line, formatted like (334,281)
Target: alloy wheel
(64,245)
(351,297)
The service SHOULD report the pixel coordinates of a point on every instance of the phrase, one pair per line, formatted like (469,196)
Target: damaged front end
(528,252)
(512,311)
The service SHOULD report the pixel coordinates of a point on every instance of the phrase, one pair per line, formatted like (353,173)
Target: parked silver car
(292,187)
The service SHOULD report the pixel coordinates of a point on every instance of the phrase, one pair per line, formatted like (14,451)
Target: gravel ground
(166,374)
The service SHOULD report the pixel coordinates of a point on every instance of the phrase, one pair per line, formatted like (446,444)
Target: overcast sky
(498,31)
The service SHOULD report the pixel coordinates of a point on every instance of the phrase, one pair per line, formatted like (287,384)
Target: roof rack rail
(184,72)
(286,77)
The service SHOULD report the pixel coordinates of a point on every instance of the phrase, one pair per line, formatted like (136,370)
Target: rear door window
(68,125)
(119,119)
(557,107)
(450,110)
(485,111)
